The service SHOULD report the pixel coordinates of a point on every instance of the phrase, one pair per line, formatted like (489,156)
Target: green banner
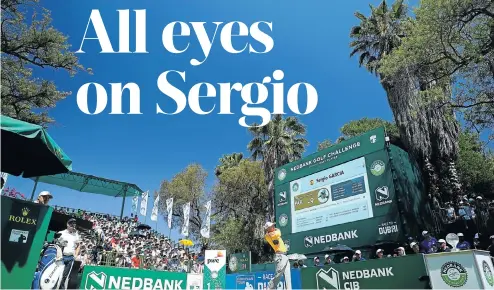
(239,263)
(389,273)
(337,154)
(214,269)
(352,203)
(95,277)
(24,227)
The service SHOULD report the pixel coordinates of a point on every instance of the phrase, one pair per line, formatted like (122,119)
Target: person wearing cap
(317,262)
(462,244)
(380,253)
(400,252)
(345,260)
(358,256)
(273,237)
(443,247)
(70,251)
(415,248)
(428,245)
(327,260)
(44,197)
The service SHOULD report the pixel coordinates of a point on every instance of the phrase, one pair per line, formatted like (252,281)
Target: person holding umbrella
(273,237)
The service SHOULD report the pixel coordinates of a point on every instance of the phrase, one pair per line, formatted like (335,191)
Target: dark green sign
(24,227)
(342,195)
(239,263)
(389,273)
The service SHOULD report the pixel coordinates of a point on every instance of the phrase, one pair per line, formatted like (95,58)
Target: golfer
(273,237)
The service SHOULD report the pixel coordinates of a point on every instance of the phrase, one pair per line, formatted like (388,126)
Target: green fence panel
(389,273)
(96,277)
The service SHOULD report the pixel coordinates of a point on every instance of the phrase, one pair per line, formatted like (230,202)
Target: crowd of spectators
(130,244)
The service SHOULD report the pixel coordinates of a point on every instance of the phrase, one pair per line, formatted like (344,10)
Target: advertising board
(341,195)
(97,277)
(260,280)
(391,273)
(214,269)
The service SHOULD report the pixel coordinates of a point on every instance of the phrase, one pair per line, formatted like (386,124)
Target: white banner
(185,226)
(154,212)
(206,224)
(144,203)
(169,210)
(135,203)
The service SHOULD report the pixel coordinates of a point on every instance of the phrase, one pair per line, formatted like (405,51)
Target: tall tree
(240,207)
(30,42)
(187,186)
(228,161)
(279,142)
(431,135)
(358,127)
(452,41)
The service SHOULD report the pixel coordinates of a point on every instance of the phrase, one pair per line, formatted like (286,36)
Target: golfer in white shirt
(70,251)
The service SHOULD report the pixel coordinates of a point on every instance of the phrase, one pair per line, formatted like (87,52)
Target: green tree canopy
(188,185)
(241,204)
(279,142)
(357,127)
(227,161)
(30,42)
(452,41)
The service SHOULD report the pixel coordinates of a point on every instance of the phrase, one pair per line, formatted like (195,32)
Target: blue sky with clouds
(311,44)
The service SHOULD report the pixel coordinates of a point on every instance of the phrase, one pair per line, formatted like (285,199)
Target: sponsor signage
(372,274)
(215,269)
(240,262)
(96,277)
(454,270)
(342,195)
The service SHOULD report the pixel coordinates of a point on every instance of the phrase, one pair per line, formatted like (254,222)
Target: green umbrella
(28,150)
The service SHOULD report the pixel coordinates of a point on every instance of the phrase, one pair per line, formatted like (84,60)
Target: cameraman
(273,237)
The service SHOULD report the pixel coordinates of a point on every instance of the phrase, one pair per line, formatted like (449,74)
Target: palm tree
(430,135)
(279,142)
(228,161)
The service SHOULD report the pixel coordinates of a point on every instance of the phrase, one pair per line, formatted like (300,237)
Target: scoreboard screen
(333,196)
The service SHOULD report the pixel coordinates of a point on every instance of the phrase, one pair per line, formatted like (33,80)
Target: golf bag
(50,269)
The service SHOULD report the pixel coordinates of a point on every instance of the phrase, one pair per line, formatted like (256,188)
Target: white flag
(169,210)
(185,226)
(144,202)
(135,202)
(154,212)
(206,224)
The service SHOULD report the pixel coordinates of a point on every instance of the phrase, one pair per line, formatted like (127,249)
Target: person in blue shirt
(358,256)
(462,244)
(428,245)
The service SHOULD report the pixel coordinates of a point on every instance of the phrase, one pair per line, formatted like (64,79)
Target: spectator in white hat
(345,260)
(358,256)
(462,244)
(317,262)
(400,251)
(44,197)
(415,247)
(380,253)
(327,260)
(443,247)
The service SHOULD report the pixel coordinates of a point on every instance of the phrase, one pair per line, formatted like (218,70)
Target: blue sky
(311,45)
